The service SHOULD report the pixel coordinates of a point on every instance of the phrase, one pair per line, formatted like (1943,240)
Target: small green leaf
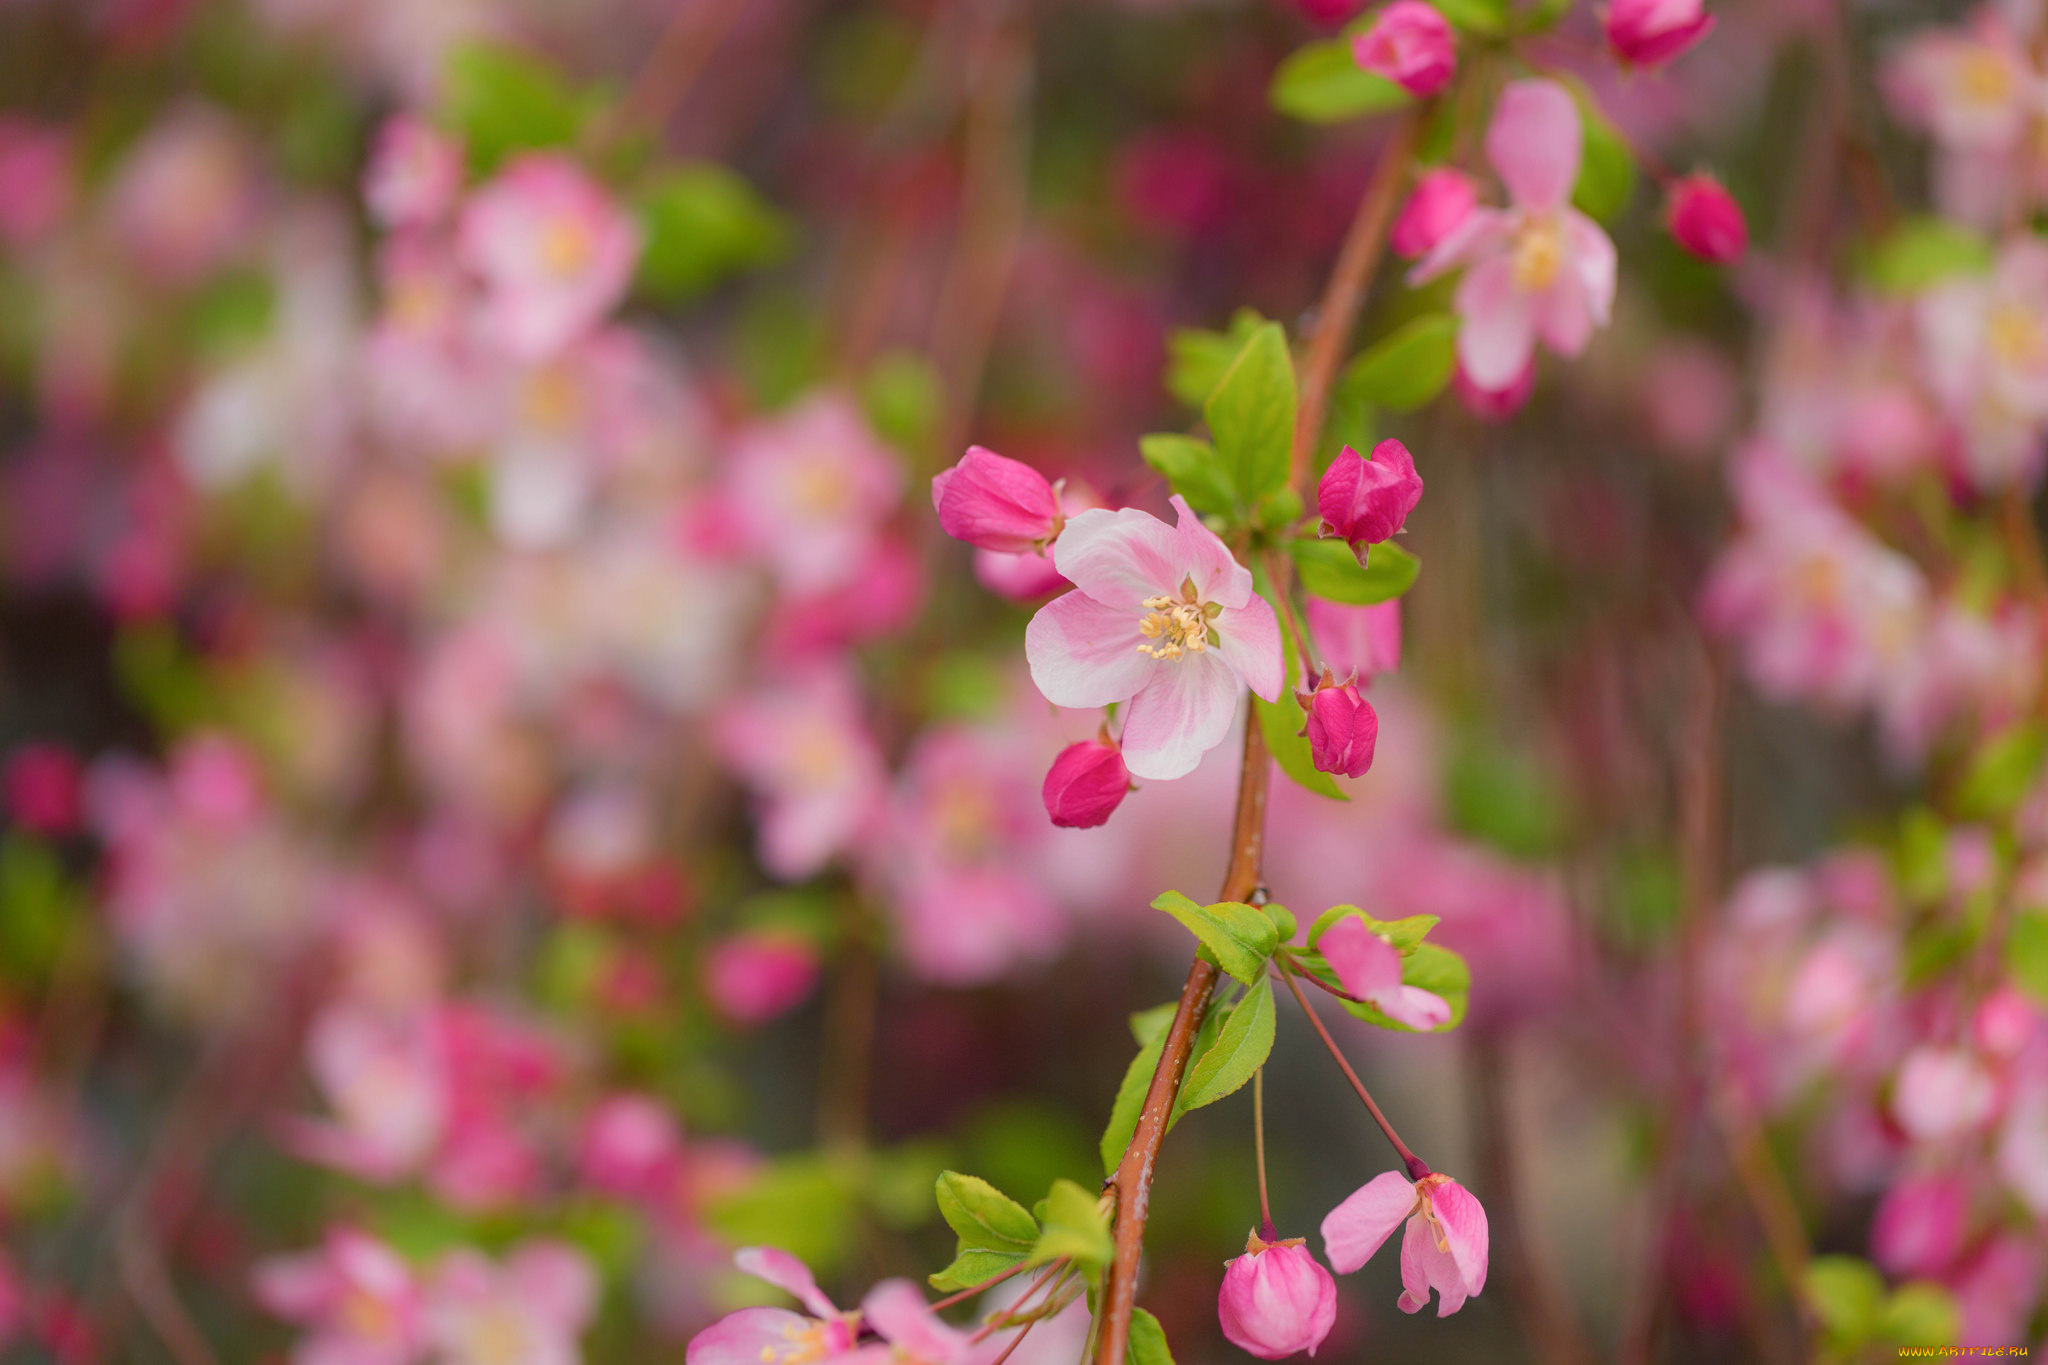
(1920,1314)
(1486,18)
(1607,169)
(702,223)
(1922,252)
(1402,933)
(982,1215)
(1407,368)
(1147,1344)
(1149,1027)
(1330,570)
(2003,771)
(502,101)
(1283,920)
(1240,1049)
(1240,938)
(2026,953)
(1196,357)
(971,1268)
(1847,1295)
(1323,83)
(1074,1227)
(1251,415)
(805,1204)
(1191,466)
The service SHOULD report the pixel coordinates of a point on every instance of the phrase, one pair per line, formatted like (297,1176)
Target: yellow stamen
(1180,623)
(1539,254)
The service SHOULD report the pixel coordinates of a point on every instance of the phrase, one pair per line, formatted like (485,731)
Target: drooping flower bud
(1412,45)
(1705,219)
(1444,1247)
(1086,783)
(756,975)
(1441,200)
(996,503)
(1276,1299)
(1342,726)
(1652,32)
(43,787)
(1366,501)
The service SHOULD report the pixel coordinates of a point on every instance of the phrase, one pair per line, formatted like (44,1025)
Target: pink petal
(1217,574)
(1366,964)
(1436,1268)
(1593,261)
(1498,331)
(1482,233)
(1419,1009)
(1534,142)
(1464,1225)
(746,1337)
(1183,712)
(1415,1245)
(900,1313)
(1249,640)
(1121,557)
(786,1273)
(556,1282)
(1084,653)
(1360,1226)
(1562,317)
(297,1287)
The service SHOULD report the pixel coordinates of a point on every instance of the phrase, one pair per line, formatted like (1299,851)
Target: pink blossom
(1411,44)
(1367,501)
(386,1080)
(1941,1092)
(1918,1228)
(1020,578)
(776,1336)
(1973,89)
(414,173)
(185,199)
(1163,618)
(1444,1248)
(2022,1157)
(1085,784)
(1985,340)
(996,503)
(803,748)
(1498,404)
(631,1146)
(1356,640)
(553,250)
(1653,32)
(1705,219)
(1341,726)
(356,1297)
(44,788)
(35,181)
(809,490)
(897,1312)
(1276,1299)
(1369,967)
(529,1310)
(1436,206)
(1540,268)
(755,976)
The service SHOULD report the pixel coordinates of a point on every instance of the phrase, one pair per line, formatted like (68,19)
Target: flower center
(366,1315)
(566,247)
(2015,337)
(806,1344)
(1178,625)
(1984,77)
(1427,1209)
(1539,254)
(497,1336)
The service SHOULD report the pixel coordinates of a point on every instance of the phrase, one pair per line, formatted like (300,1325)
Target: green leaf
(1251,415)
(1240,1049)
(971,1268)
(1147,1343)
(1240,938)
(2026,953)
(1330,569)
(1075,1227)
(1150,1029)
(1607,169)
(1281,723)
(1846,1294)
(502,101)
(1407,368)
(2003,771)
(902,398)
(37,907)
(702,223)
(1504,798)
(1323,83)
(1283,920)
(1920,1314)
(1922,252)
(1402,933)
(805,1205)
(1196,357)
(1486,18)
(983,1216)
(1191,466)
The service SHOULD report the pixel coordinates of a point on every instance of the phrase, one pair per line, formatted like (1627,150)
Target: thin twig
(680,55)
(990,1283)
(1417,1167)
(1266,1229)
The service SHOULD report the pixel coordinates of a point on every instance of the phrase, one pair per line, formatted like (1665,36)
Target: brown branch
(680,55)
(1338,312)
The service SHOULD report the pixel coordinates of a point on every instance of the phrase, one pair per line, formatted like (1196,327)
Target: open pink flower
(1540,268)
(528,1311)
(996,503)
(356,1297)
(1369,967)
(1411,44)
(1163,618)
(555,253)
(1276,1299)
(1444,1248)
(776,1336)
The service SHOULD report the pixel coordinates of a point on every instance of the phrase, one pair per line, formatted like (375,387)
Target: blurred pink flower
(1411,44)
(1705,219)
(35,181)
(776,1336)
(803,748)
(1276,1299)
(1436,206)
(528,1311)
(1985,339)
(1918,1228)
(1941,1092)
(1444,1248)
(897,1311)
(386,1080)
(809,489)
(414,173)
(1150,601)
(44,786)
(356,1296)
(185,198)
(631,1146)
(752,977)
(1369,967)
(554,251)
(1494,404)
(1539,269)
(1653,32)
(1360,640)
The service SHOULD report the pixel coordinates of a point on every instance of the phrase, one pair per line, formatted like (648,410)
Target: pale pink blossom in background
(1942,1092)
(631,1146)
(554,251)
(414,173)
(528,1310)
(1919,1225)
(185,199)
(1361,640)
(357,1299)
(803,748)
(809,490)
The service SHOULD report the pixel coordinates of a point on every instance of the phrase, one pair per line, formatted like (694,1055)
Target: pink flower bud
(1442,199)
(1276,1299)
(1085,784)
(1652,32)
(1342,726)
(1366,501)
(1328,13)
(1706,220)
(752,977)
(996,503)
(43,787)
(1495,405)
(1919,1225)
(630,1143)
(1412,45)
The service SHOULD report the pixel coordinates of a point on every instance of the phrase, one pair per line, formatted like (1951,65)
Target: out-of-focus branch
(679,56)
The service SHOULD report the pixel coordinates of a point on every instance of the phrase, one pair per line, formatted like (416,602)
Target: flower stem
(1266,1230)
(1417,1167)
(990,1283)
